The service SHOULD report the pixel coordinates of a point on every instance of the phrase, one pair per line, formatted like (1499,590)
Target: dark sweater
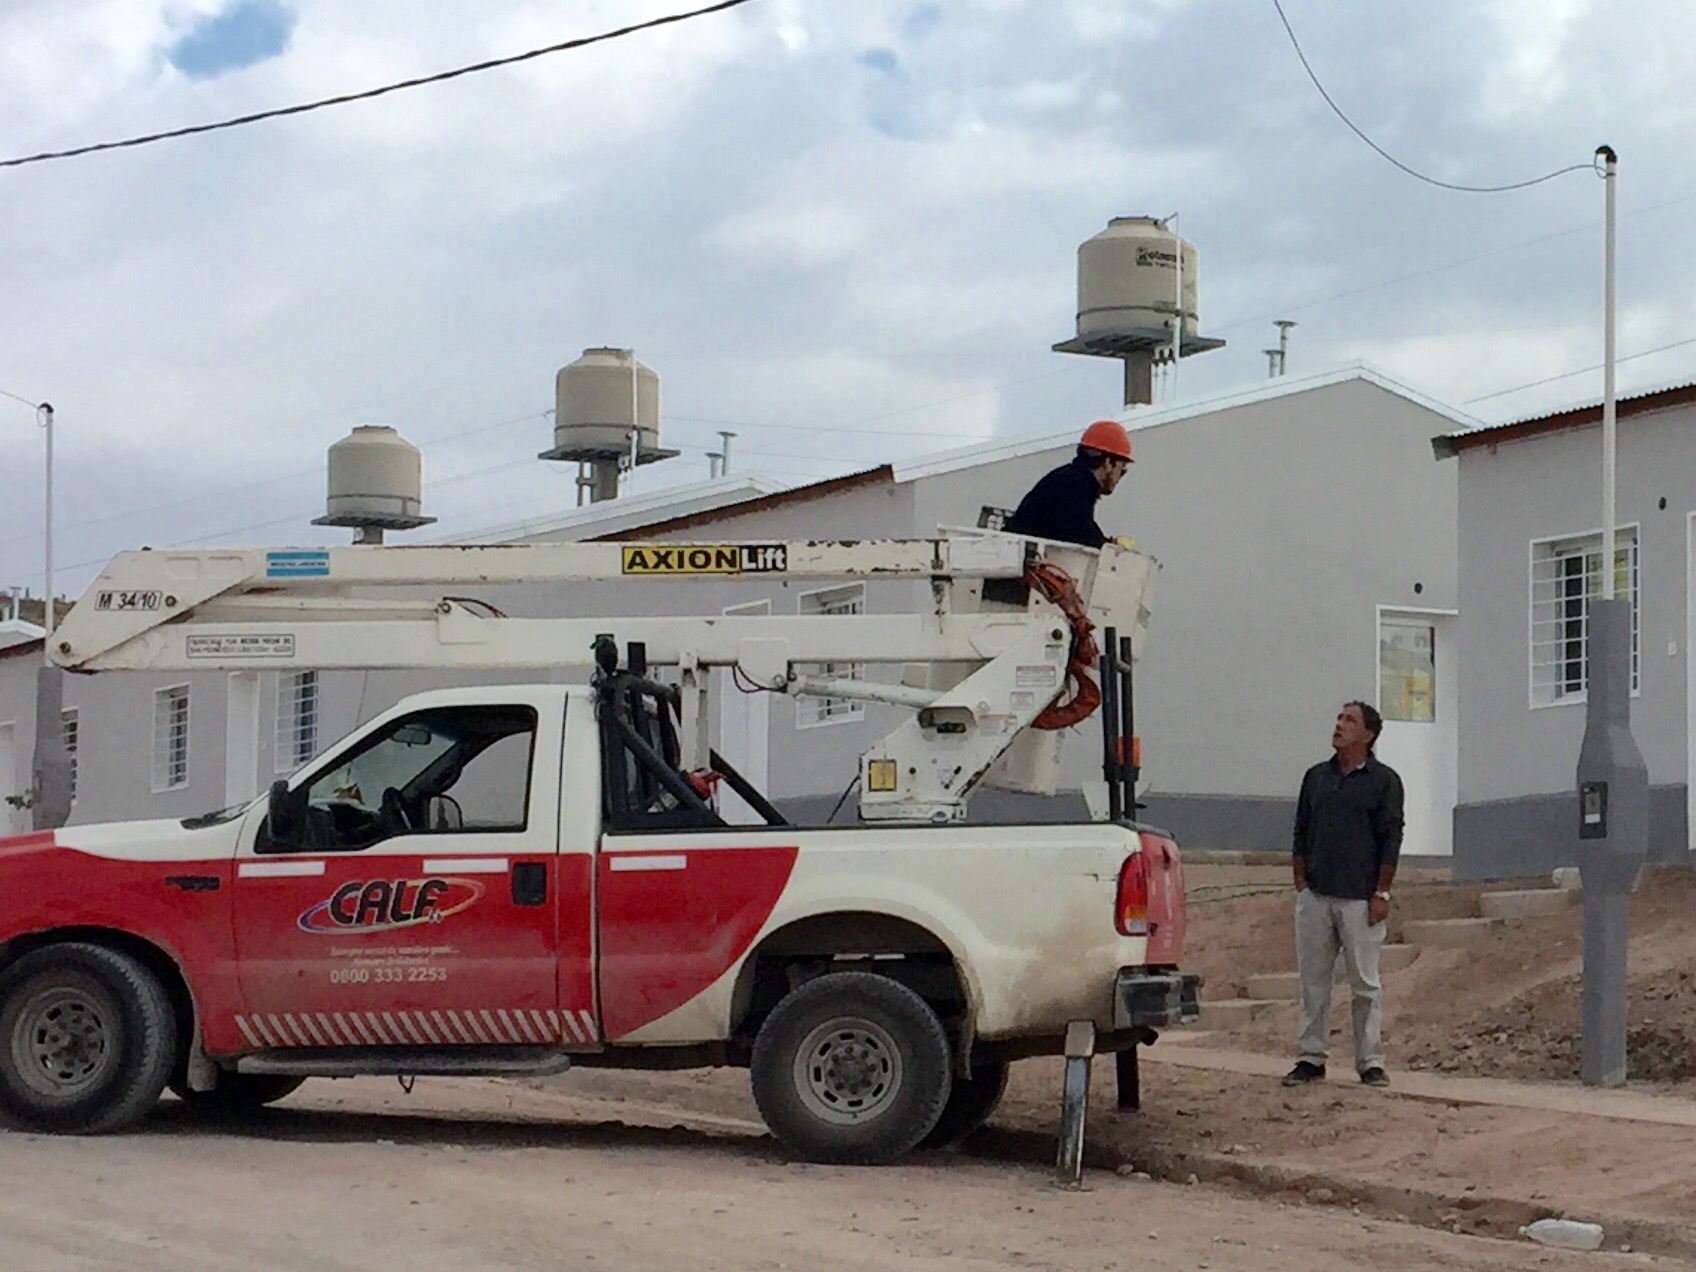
(1348,827)
(1062,507)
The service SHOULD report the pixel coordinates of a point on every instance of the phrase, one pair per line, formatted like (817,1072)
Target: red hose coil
(1057,586)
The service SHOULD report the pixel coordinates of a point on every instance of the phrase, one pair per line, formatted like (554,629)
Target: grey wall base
(1246,822)
(1512,838)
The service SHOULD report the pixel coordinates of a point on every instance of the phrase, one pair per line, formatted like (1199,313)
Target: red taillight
(1130,912)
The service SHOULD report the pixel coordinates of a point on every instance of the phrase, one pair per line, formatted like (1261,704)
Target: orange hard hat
(1109,437)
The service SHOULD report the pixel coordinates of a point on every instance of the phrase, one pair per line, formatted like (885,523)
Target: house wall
(17,708)
(1515,813)
(1280,527)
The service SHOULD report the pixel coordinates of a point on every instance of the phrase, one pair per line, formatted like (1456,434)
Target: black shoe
(1304,1072)
(1375,1077)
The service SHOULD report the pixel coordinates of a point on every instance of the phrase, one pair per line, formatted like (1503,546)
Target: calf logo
(382,905)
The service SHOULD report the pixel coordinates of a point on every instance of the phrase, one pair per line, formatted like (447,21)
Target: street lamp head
(1606,154)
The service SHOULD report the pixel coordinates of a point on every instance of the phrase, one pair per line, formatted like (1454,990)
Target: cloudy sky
(844,228)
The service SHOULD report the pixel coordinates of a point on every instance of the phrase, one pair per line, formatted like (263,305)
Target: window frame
(289,732)
(70,735)
(1542,694)
(161,696)
(819,713)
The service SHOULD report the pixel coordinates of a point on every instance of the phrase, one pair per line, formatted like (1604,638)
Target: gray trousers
(1326,926)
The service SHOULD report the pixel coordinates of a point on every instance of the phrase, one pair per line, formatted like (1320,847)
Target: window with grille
(170,738)
(1566,575)
(68,729)
(297,719)
(815,711)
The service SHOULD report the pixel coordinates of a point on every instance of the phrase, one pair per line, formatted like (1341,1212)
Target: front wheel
(851,1068)
(87,1040)
(239,1092)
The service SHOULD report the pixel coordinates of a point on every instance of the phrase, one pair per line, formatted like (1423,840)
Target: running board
(459,1062)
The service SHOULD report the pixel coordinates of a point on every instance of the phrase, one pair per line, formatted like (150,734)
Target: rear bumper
(1155,999)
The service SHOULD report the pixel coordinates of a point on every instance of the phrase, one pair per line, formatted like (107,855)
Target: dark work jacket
(1347,827)
(1061,506)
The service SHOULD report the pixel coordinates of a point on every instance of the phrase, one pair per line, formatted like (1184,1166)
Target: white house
(1309,553)
(1530,561)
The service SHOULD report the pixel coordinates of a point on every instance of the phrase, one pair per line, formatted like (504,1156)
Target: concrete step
(1286,986)
(1232,1013)
(1273,987)
(1397,957)
(1527,905)
(1447,933)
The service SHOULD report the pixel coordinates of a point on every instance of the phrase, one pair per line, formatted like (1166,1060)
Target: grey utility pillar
(1613,831)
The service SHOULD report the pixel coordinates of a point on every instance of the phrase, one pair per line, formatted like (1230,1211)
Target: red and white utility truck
(515,879)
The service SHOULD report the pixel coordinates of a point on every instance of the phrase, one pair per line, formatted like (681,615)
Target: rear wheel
(970,1103)
(87,1040)
(851,1068)
(239,1092)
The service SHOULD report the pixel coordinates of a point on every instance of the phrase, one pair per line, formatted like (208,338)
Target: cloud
(850,263)
(245,33)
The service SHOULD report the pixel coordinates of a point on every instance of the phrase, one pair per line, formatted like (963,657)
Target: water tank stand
(1139,350)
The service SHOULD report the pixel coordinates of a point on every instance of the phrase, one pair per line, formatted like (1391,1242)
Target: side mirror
(285,809)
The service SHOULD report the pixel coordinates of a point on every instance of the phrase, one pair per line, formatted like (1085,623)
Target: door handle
(529,882)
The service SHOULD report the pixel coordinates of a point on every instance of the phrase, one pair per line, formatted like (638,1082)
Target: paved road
(473,1176)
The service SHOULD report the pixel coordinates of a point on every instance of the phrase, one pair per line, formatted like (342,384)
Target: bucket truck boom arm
(989,670)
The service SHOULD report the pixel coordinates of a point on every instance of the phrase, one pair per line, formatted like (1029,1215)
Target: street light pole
(1613,780)
(1610,440)
(45,411)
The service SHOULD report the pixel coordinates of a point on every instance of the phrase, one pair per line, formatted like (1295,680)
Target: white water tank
(376,478)
(1128,279)
(598,399)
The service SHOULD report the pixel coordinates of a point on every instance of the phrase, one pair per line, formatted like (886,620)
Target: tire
(87,1040)
(969,1106)
(239,1092)
(851,1068)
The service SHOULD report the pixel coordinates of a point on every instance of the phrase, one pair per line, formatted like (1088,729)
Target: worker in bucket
(1061,506)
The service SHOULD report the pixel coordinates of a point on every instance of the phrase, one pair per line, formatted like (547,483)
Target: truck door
(414,903)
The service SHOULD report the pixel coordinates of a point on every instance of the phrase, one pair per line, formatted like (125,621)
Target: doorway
(1416,697)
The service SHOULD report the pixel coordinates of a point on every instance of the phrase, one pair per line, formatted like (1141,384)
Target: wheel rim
(62,1044)
(848,1071)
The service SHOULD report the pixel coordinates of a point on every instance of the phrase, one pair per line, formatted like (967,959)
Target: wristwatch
(1382,896)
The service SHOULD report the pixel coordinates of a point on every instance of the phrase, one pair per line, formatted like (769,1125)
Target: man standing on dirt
(1348,837)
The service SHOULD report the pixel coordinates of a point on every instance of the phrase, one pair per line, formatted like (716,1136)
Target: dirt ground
(1504,1009)
(650,1171)
(463,1175)
(1507,1008)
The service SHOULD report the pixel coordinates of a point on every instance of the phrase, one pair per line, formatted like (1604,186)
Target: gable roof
(882,475)
(1152,417)
(601,520)
(1448,445)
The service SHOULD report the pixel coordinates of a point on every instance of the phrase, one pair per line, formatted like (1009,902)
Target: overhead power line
(1412,172)
(367,94)
(16,398)
(1567,375)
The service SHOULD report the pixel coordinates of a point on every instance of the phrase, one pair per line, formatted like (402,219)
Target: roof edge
(1449,445)
(748,485)
(1154,417)
(883,473)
